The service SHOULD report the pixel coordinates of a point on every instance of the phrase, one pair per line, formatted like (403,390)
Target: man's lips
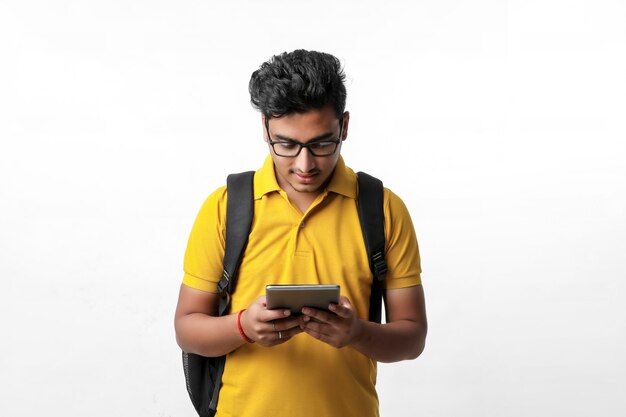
(306,178)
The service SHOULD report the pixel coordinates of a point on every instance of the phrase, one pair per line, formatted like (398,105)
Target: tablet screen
(294,297)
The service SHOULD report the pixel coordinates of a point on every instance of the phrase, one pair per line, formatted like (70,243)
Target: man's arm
(404,334)
(402,337)
(199,330)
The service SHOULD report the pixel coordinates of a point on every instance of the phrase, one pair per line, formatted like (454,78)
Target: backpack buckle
(224,282)
(380,265)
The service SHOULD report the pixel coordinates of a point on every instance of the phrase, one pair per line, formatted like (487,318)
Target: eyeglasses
(291,149)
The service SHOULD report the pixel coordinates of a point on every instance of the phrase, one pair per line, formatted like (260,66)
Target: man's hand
(339,327)
(269,327)
(401,337)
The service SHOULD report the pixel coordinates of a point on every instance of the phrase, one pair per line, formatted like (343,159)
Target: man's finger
(269,315)
(284,324)
(313,332)
(342,311)
(283,336)
(318,314)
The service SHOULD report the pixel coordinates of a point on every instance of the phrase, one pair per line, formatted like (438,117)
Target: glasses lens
(286,148)
(323,148)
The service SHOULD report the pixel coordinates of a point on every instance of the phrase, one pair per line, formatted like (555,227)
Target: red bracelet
(241,332)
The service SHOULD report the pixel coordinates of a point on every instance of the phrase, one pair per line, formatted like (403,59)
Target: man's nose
(305,161)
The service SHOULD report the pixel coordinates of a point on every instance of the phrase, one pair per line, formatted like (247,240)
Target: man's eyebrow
(315,139)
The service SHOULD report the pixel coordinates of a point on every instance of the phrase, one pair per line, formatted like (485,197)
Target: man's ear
(346,122)
(263,118)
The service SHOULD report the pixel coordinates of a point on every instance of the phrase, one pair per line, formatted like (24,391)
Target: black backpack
(203,375)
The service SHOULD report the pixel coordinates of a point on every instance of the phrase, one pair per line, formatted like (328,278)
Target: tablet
(294,297)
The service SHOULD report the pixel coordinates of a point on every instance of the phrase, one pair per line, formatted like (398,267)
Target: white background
(500,124)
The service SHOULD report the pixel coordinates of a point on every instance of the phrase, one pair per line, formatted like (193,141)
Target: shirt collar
(343,181)
(265,179)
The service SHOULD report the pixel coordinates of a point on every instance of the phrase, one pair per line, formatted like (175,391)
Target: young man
(306,230)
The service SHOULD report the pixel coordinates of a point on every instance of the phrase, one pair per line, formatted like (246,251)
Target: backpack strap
(239,214)
(371,217)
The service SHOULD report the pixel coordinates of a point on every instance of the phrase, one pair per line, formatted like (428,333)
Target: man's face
(306,173)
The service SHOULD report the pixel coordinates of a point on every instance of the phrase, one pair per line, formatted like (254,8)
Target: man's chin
(306,188)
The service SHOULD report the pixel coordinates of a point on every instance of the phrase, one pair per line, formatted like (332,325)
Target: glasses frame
(304,145)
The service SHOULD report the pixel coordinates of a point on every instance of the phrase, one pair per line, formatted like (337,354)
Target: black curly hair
(296,82)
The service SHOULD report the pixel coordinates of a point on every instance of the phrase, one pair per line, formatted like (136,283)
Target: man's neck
(302,200)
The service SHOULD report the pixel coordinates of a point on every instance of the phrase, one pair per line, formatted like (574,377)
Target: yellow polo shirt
(303,377)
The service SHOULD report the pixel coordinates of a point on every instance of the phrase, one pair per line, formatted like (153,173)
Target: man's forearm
(391,342)
(208,335)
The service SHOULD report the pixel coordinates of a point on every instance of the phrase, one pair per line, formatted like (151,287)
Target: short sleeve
(204,256)
(401,251)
